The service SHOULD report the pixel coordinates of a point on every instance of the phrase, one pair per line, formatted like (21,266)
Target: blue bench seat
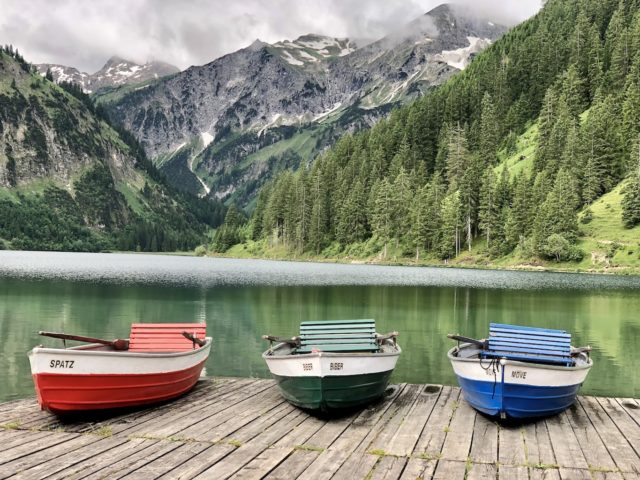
(529,344)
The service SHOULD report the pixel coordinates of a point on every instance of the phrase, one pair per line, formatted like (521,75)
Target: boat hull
(518,390)
(332,381)
(333,392)
(73,380)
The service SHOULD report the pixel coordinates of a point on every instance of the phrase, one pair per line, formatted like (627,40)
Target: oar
(117,344)
(481,343)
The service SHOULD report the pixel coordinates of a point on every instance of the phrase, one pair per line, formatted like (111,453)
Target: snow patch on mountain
(308,57)
(289,58)
(206,138)
(461,57)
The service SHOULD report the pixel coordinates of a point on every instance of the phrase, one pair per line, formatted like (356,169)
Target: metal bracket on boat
(194,339)
(389,336)
(577,351)
(293,341)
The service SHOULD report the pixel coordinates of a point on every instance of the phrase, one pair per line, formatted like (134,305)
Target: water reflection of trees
(237,316)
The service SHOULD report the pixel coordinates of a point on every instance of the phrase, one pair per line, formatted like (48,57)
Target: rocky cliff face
(316,86)
(47,133)
(116,72)
(69,181)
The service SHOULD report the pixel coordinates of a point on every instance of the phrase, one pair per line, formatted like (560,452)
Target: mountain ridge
(116,72)
(287,90)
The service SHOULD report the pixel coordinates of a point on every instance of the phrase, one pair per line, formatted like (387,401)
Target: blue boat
(520,372)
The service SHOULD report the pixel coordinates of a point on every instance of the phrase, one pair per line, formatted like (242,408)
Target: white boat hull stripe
(87,362)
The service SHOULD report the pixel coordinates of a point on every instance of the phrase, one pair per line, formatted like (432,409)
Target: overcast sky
(85,33)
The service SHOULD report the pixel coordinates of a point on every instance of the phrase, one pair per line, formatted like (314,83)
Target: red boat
(158,362)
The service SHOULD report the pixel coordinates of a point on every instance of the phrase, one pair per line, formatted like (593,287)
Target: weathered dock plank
(352,438)
(243,429)
(305,452)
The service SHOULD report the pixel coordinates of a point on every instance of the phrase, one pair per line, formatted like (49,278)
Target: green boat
(333,364)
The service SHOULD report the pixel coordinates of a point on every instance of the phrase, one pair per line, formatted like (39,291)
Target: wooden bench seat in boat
(164,337)
(338,336)
(529,344)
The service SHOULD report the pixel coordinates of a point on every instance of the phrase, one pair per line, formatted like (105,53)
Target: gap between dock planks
(242,428)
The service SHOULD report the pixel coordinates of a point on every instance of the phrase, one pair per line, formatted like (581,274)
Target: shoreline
(406,262)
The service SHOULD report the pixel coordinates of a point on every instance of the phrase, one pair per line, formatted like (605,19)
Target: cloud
(84,34)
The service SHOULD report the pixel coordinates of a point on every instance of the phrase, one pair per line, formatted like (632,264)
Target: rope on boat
(494,365)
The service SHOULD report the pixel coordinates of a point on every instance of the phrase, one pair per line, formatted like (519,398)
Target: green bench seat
(338,336)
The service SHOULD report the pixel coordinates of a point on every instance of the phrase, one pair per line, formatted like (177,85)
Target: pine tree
(458,156)
(631,199)
(383,213)
(631,108)
(450,229)
(620,58)
(556,142)
(435,195)
(520,216)
(419,215)
(303,207)
(570,158)
(488,214)
(575,94)
(489,131)
(352,226)
(602,158)
(469,189)
(558,214)
(319,213)
(595,62)
(257,219)
(401,195)
(547,121)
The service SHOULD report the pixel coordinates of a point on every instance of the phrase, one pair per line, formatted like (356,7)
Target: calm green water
(102,294)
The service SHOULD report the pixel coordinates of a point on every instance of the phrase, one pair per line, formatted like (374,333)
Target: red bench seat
(164,337)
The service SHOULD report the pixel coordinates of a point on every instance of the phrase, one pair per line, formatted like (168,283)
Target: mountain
(115,73)
(530,158)
(227,126)
(69,181)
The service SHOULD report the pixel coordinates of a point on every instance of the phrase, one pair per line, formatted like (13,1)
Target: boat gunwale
(269,354)
(85,350)
(542,366)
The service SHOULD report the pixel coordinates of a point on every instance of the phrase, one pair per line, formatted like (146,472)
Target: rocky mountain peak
(116,71)
(115,60)
(304,91)
(256,45)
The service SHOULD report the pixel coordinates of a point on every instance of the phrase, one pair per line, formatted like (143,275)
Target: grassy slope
(523,158)
(603,233)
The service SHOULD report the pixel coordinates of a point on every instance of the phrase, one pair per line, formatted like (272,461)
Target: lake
(100,295)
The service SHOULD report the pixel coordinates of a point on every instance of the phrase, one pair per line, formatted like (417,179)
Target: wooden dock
(242,428)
